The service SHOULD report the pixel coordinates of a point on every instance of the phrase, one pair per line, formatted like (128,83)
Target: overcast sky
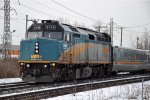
(126,13)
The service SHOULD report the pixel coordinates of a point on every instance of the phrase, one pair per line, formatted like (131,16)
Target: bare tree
(100,28)
(144,42)
(97,26)
(63,20)
(77,24)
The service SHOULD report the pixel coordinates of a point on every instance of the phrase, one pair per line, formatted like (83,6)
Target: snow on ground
(10,80)
(122,92)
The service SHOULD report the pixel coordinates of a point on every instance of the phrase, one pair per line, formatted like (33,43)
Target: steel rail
(74,88)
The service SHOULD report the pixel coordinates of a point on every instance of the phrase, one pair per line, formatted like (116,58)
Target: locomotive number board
(45,27)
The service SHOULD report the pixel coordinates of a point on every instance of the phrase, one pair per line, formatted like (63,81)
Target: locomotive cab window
(91,37)
(99,38)
(53,35)
(34,34)
(67,37)
(103,39)
(76,35)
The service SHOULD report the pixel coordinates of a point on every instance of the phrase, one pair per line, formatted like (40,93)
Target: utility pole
(27,19)
(26,33)
(137,43)
(142,89)
(6,34)
(146,39)
(111,30)
(7,37)
(121,36)
(99,29)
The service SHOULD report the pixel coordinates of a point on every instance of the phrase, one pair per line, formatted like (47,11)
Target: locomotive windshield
(34,34)
(53,35)
(47,29)
(50,35)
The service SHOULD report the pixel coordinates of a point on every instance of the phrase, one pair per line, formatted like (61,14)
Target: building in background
(15,51)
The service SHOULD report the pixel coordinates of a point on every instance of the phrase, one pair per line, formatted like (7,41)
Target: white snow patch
(122,92)
(10,80)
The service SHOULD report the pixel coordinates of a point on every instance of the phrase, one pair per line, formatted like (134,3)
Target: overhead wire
(138,26)
(36,10)
(44,5)
(23,5)
(74,11)
(20,22)
(134,31)
(23,15)
(133,26)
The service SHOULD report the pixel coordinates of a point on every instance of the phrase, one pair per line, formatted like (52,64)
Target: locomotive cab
(39,52)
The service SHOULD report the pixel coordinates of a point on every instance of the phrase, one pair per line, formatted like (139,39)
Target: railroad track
(5,89)
(51,90)
(9,85)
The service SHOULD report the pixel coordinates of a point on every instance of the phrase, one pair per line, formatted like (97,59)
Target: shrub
(9,68)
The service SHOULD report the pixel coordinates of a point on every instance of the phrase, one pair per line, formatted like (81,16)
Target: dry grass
(9,68)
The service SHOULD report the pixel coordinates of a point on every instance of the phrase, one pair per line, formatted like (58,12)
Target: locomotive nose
(40,49)
(48,49)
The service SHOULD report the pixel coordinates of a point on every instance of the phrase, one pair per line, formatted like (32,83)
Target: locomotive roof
(131,48)
(68,28)
(82,30)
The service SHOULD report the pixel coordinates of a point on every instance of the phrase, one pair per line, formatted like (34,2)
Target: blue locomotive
(56,52)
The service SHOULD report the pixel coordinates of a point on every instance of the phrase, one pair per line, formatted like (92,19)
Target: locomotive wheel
(114,73)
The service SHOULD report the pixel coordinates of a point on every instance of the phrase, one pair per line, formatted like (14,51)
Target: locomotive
(54,52)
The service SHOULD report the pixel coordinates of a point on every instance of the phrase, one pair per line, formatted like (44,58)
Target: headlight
(36,47)
(21,63)
(52,64)
(28,65)
(36,51)
(37,44)
(45,66)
